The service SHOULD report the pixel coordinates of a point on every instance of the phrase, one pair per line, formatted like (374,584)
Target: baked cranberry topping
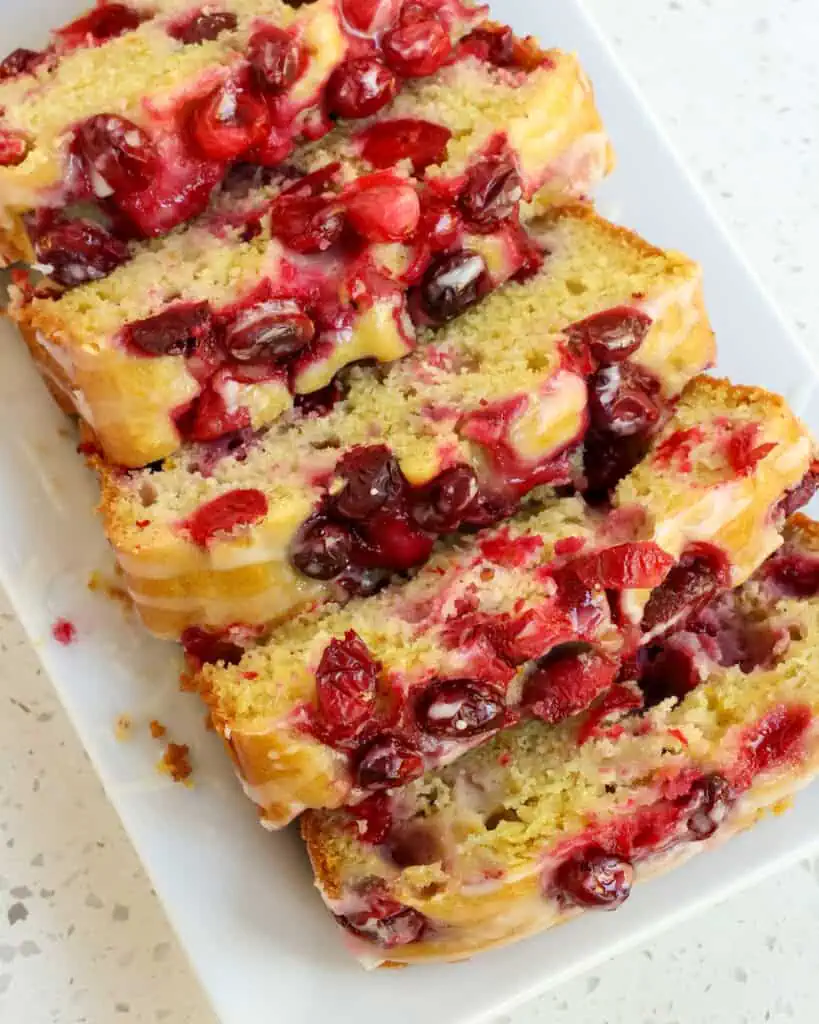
(492,193)
(177,331)
(204,647)
(100,24)
(417,49)
(370,16)
(701,571)
(383,208)
(386,926)
(203,26)
(277,59)
(307,224)
(624,400)
(641,564)
(567,681)
(713,797)
(371,477)
(388,761)
(393,542)
(794,574)
(372,818)
(20,62)
(228,122)
(452,284)
(498,45)
(595,878)
(360,87)
(441,505)
(460,708)
(13,148)
(116,153)
(322,549)
(225,514)
(346,681)
(275,329)
(613,335)
(388,142)
(79,251)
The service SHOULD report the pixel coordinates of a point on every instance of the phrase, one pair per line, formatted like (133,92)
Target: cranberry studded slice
(417,49)
(322,549)
(228,122)
(361,87)
(371,477)
(117,154)
(13,148)
(272,330)
(20,62)
(595,878)
(277,59)
(713,798)
(346,681)
(452,284)
(389,142)
(386,762)
(492,193)
(383,208)
(307,224)
(700,573)
(78,251)
(177,331)
(204,647)
(613,335)
(460,709)
(104,22)
(443,504)
(624,400)
(224,515)
(567,682)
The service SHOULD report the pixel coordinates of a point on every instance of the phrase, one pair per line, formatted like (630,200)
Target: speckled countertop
(83,938)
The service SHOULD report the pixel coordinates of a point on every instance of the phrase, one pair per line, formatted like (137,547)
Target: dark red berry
(210,418)
(204,26)
(452,284)
(417,49)
(639,564)
(794,574)
(499,45)
(399,929)
(713,798)
(386,143)
(701,572)
(669,671)
(13,148)
(320,403)
(624,400)
(307,224)
(567,682)
(360,87)
(492,193)
(117,154)
(388,761)
(595,879)
(440,225)
(460,708)
(20,62)
(370,16)
(177,331)
(204,647)
(346,681)
(371,477)
(223,515)
(79,251)
(104,22)
(277,59)
(272,330)
(607,460)
(383,208)
(393,542)
(372,819)
(228,122)
(613,335)
(322,549)
(360,581)
(441,505)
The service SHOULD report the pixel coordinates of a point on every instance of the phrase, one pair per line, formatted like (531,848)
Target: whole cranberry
(360,87)
(228,122)
(117,154)
(371,477)
(460,709)
(383,208)
(277,59)
(79,251)
(393,542)
(176,331)
(322,549)
(271,330)
(613,335)
(440,225)
(567,682)
(361,581)
(388,761)
(492,193)
(441,505)
(346,681)
(595,878)
(624,400)
(417,49)
(204,26)
(452,284)
(308,224)
(13,148)
(701,572)
(713,798)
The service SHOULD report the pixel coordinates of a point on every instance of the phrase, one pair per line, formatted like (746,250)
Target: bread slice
(545,822)
(271,293)
(500,393)
(159,68)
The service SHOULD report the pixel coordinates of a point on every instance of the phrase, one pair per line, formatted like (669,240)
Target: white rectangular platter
(241,899)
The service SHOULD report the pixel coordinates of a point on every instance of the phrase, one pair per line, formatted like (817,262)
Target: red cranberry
(452,284)
(417,49)
(624,400)
(177,331)
(388,761)
(346,681)
(400,929)
(104,22)
(370,16)
(492,193)
(743,452)
(373,818)
(322,549)
(308,224)
(20,62)
(442,504)
(275,329)
(701,572)
(117,154)
(613,335)
(222,515)
(371,477)
(13,148)
(228,121)
(460,709)
(383,208)
(394,543)
(777,738)
(794,575)
(209,418)
(595,879)
(204,647)
(388,142)
(278,60)
(360,87)
(567,682)
(204,26)
(713,798)
(78,251)
(440,225)
(640,564)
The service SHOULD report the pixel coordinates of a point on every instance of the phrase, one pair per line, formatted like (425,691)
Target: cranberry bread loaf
(338,259)
(341,703)
(544,822)
(138,109)
(246,531)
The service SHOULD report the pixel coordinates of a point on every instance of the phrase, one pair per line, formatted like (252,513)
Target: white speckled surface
(83,939)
